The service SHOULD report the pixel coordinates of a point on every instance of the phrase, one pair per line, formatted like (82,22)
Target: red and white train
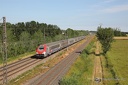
(47,49)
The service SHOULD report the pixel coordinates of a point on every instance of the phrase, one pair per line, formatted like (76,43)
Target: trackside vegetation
(81,71)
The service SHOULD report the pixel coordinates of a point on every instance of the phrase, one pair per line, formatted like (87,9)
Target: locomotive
(47,49)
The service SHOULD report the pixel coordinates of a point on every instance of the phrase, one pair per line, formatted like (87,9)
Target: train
(47,49)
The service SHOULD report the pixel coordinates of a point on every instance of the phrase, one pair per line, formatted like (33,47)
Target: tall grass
(81,71)
(117,60)
(118,56)
(108,72)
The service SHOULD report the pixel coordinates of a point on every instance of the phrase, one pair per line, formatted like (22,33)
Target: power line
(1,22)
(1,19)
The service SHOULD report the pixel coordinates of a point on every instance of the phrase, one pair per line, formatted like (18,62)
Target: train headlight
(36,52)
(44,53)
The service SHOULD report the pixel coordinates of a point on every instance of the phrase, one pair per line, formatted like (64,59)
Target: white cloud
(108,1)
(115,9)
(102,2)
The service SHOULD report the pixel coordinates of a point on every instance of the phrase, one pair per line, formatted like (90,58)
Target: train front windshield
(41,47)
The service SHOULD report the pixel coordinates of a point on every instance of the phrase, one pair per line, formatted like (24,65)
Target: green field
(118,63)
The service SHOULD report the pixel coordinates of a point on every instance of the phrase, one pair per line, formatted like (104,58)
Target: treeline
(117,32)
(24,37)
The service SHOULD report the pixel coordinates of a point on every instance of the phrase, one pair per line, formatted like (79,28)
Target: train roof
(56,42)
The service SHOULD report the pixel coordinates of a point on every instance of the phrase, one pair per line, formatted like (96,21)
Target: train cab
(41,50)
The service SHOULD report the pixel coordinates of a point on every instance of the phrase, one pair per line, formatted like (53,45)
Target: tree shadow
(78,52)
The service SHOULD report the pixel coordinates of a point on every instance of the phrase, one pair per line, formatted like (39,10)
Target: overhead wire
(1,19)
(1,22)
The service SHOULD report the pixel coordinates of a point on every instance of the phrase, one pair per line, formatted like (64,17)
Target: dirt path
(97,71)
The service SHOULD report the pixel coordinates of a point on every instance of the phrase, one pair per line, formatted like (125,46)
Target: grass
(81,71)
(115,65)
(108,77)
(121,38)
(16,58)
(118,59)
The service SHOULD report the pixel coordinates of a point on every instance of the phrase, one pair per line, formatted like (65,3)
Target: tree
(11,37)
(117,32)
(38,37)
(105,36)
(25,41)
(70,33)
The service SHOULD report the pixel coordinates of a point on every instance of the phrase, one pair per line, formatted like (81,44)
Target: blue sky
(75,14)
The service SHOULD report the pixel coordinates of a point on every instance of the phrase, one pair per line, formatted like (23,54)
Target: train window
(71,41)
(41,47)
(55,46)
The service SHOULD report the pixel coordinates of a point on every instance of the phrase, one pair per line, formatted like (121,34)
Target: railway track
(53,76)
(21,66)
(14,69)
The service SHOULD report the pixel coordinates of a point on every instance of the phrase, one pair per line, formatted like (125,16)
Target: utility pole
(4,42)
(67,39)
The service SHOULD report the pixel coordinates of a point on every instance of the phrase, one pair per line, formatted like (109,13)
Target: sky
(75,14)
